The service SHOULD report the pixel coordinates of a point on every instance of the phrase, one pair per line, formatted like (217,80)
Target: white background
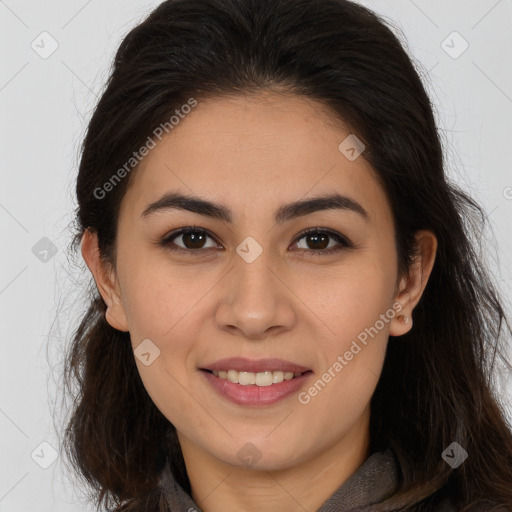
(45,105)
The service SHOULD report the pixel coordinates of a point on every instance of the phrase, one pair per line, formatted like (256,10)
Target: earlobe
(105,279)
(413,285)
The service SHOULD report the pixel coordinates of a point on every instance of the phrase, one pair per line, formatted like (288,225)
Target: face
(241,283)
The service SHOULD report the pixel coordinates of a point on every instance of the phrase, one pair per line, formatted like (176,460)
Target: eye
(192,240)
(318,240)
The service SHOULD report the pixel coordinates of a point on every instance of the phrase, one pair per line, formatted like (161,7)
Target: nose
(256,301)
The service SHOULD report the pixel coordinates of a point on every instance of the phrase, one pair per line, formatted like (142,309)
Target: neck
(217,486)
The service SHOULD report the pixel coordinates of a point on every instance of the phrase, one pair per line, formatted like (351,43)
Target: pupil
(316,238)
(195,239)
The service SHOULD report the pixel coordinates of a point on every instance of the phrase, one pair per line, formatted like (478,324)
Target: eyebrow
(175,200)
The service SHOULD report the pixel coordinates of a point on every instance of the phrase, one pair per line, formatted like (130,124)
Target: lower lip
(256,395)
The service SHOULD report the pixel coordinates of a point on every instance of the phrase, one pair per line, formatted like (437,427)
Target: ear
(106,281)
(412,286)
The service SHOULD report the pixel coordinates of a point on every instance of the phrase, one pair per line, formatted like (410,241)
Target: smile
(255,389)
(266,378)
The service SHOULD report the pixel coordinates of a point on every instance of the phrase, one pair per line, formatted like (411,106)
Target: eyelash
(343,241)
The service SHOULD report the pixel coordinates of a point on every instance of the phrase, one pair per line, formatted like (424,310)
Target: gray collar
(375,480)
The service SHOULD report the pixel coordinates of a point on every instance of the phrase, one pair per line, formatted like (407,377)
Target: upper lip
(242,364)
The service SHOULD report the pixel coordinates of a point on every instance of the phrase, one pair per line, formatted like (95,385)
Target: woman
(289,311)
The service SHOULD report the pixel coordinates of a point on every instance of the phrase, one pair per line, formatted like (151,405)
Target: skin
(252,154)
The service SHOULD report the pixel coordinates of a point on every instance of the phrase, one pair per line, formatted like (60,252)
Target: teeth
(246,378)
(277,377)
(260,378)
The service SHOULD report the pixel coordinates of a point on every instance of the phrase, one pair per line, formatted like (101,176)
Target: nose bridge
(255,284)
(256,299)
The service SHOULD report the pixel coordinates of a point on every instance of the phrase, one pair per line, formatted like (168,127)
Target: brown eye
(192,240)
(317,241)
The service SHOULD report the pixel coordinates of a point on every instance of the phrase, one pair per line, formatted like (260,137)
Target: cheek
(358,312)
(350,369)
(158,297)
(351,299)
(160,308)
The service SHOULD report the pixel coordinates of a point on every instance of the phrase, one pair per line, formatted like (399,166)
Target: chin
(262,455)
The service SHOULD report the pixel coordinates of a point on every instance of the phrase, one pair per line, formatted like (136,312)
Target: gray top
(374,481)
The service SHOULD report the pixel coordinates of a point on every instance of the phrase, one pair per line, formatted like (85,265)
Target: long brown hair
(436,385)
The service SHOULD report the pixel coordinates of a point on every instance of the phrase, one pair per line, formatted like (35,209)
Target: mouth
(262,379)
(255,382)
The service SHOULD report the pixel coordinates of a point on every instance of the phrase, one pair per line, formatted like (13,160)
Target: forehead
(254,153)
